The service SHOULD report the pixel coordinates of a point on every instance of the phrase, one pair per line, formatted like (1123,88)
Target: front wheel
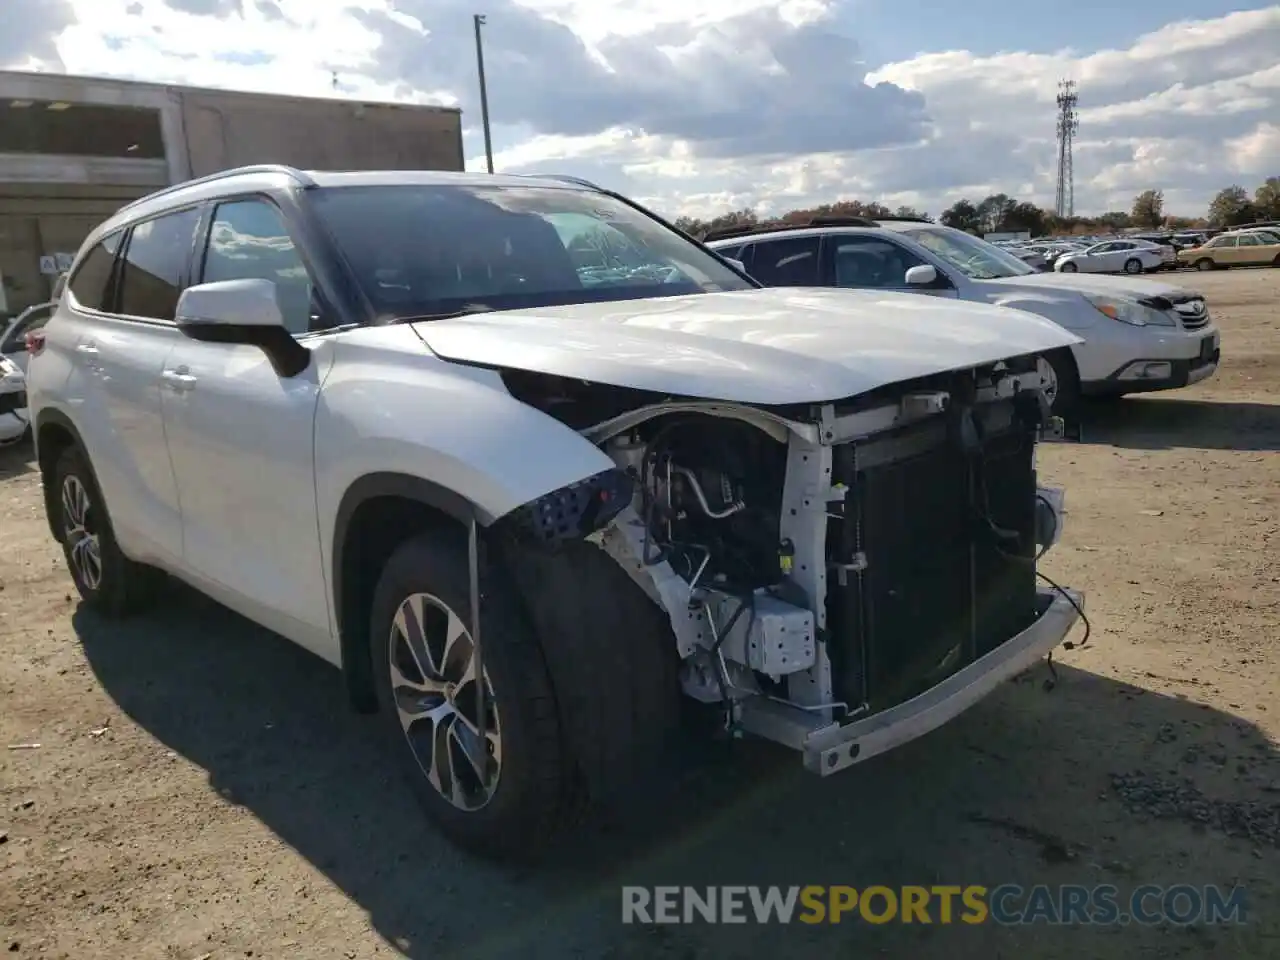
(1133,265)
(1060,381)
(499,788)
(105,578)
(1204,264)
(1068,268)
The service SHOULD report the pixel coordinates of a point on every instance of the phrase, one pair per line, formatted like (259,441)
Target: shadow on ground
(17,458)
(1166,423)
(1029,787)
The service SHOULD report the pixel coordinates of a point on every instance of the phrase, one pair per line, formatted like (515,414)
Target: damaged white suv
(442,427)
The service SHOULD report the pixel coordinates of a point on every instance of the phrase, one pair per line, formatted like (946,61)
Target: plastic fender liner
(572,512)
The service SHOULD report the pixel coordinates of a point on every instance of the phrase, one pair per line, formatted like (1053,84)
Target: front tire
(1062,388)
(1204,264)
(1068,268)
(502,796)
(105,578)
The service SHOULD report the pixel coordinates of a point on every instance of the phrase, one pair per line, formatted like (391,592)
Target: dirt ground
(199,790)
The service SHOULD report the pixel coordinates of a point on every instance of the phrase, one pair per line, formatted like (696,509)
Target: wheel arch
(377,512)
(53,432)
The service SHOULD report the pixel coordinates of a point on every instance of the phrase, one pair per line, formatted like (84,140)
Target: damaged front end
(843,579)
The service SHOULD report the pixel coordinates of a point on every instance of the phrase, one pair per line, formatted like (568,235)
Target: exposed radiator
(945,540)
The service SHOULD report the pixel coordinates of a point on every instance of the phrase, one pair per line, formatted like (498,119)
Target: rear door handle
(179,379)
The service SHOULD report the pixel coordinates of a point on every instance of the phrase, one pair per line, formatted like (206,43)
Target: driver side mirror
(736,264)
(924,275)
(244,312)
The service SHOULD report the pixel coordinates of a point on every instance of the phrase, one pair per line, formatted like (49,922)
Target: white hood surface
(1096,285)
(762,346)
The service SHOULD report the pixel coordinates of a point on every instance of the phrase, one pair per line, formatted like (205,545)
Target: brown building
(75,149)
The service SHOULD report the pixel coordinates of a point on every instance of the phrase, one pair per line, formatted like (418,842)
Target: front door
(241,440)
(870,262)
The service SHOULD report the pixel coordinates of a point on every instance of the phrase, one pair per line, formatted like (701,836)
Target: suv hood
(763,346)
(1093,285)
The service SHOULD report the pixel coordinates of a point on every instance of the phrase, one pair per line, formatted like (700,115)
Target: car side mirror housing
(924,275)
(244,312)
(736,264)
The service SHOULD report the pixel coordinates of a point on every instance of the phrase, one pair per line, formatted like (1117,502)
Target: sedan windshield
(976,259)
(433,250)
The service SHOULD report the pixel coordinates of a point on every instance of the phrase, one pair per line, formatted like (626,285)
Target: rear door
(787,261)
(124,329)
(1251,250)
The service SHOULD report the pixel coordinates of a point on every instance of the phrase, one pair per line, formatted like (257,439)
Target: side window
(791,262)
(91,284)
(1249,240)
(154,261)
(870,262)
(1225,242)
(730,251)
(248,240)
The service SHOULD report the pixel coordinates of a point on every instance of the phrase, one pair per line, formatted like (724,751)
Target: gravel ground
(200,792)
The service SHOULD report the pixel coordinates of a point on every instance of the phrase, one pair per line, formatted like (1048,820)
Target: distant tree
(962,215)
(1113,220)
(1231,207)
(1025,216)
(1266,199)
(910,212)
(1148,208)
(993,211)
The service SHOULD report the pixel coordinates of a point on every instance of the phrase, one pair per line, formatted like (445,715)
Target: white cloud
(701,107)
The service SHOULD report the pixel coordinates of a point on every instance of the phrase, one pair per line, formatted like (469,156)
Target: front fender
(390,407)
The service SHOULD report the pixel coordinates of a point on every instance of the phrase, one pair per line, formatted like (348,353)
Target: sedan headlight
(1131,312)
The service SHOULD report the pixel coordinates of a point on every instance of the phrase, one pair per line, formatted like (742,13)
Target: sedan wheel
(1069,268)
(1133,265)
(434,687)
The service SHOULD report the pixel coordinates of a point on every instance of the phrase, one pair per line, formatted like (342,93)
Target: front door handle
(179,379)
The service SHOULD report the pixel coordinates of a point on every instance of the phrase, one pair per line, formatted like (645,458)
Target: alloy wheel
(433,685)
(1048,379)
(80,530)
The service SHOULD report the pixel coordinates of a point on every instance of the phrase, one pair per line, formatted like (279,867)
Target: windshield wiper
(470,308)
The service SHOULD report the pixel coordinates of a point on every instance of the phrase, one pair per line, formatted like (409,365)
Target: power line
(1068,125)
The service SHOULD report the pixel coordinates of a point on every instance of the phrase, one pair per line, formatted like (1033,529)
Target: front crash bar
(831,747)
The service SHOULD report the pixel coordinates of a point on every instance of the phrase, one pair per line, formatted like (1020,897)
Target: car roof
(872,226)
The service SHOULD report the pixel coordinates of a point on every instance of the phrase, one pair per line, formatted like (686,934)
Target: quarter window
(248,240)
(91,283)
(154,262)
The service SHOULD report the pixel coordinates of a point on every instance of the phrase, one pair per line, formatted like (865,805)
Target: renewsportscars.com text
(1007,904)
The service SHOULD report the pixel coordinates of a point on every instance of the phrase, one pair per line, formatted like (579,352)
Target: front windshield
(976,259)
(424,250)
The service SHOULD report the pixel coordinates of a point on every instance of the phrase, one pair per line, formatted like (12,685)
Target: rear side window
(91,283)
(154,262)
(792,262)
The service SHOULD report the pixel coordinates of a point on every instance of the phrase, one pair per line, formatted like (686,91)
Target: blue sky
(701,107)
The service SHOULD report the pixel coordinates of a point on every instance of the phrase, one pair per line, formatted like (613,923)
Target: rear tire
(503,798)
(1133,266)
(105,578)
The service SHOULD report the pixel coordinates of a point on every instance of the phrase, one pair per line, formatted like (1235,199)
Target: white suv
(441,429)
(1136,334)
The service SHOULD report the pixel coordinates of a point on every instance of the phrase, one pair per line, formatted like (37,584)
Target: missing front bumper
(828,748)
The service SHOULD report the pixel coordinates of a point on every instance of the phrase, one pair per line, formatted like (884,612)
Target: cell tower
(1068,124)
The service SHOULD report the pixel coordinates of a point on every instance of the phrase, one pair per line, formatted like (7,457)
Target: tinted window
(870,262)
(438,248)
(90,284)
(154,261)
(730,251)
(248,240)
(791,262)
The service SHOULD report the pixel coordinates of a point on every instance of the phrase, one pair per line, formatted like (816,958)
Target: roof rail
(839,221)
(906,219)
(302,179)
(564,178)
(727,232)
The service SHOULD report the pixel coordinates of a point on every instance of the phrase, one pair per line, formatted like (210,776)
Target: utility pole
(484,93)
(1068,125)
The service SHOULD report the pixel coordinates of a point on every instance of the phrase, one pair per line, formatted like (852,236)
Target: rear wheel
(1133,265)
(500,793)
(106,579)
(1204,263)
